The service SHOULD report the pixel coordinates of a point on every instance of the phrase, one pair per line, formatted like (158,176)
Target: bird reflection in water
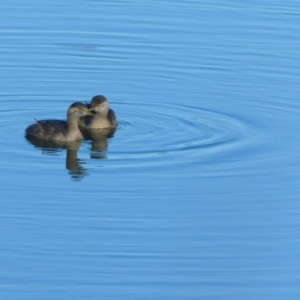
(77,171)
(73,164)
(98,137)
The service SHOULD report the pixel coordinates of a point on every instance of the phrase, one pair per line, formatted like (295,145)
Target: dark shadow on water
(75,165)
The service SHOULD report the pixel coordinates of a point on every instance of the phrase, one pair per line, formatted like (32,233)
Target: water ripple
(155,129)
(150,134)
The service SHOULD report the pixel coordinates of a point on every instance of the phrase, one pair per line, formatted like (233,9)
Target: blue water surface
(196,196)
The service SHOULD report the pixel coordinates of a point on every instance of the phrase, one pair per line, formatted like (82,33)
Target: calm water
(196,196)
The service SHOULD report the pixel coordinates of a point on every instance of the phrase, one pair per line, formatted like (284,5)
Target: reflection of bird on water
(52,147)
(59,130)
(104,116)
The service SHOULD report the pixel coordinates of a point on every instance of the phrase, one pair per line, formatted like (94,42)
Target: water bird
(60,130)
(104,116)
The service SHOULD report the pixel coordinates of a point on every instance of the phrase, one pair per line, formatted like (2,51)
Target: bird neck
(102,114)
(73,123)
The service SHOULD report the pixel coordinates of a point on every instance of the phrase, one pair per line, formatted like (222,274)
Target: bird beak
(89,112)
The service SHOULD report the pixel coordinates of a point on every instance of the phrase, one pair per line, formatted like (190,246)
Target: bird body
(60,130)
(104,116)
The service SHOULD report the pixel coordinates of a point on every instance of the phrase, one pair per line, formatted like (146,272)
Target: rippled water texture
(196,195)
